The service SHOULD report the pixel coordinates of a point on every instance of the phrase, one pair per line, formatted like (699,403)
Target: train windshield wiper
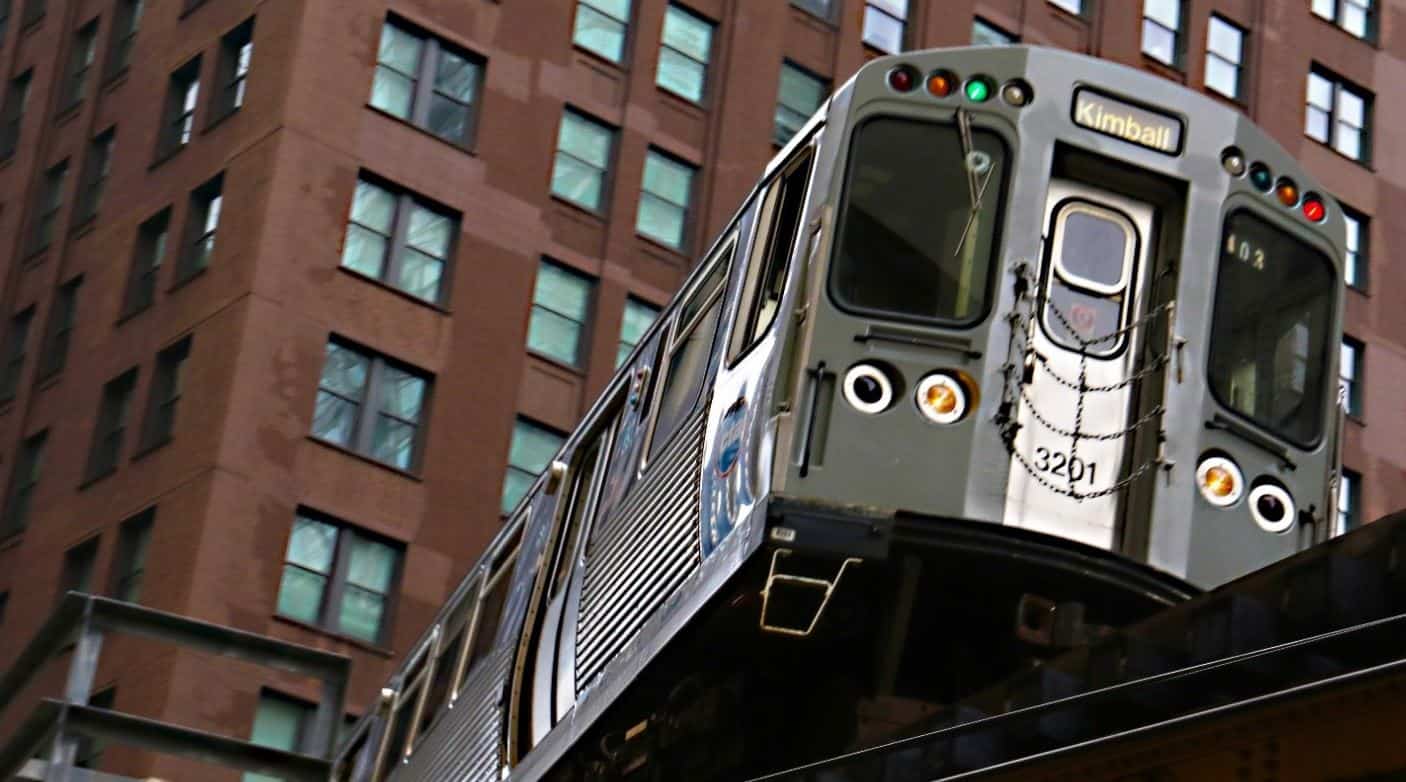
(978,166)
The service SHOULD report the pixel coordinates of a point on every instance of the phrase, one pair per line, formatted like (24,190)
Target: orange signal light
(1287,193)
(941,84)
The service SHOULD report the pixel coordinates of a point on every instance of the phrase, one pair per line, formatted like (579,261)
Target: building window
(112,425)
(986,34)
(1075,7)
(202,220)
(884,23)
(280,723)
(370,405)
(1357,17)
(12,114)
(561,304)
(181,99)
(47,209)
(1349,502)
(683,54)
(146,263)
(1225,47)
(601,27)
(165,394)
(423,80)
(1350,376)
(531,451)
(96,170)
(636,320)
(584,149)
(800,95)
(1358,235)
(33,12)
(824,9)
(664,199)
(236,51)
(24,478)
(80,64)
(337,578)
(1162,31)
(124,36)
(60,330)
(77,574)
(560,309)
(1339,114)
(399,239)
(129,569)
(16,343)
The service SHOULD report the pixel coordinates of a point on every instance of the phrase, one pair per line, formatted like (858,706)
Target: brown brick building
(344,267)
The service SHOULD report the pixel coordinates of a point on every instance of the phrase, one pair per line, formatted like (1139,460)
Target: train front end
(1071,305)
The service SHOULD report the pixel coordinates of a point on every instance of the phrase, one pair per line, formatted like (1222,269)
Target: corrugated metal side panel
(465,743)
(640,555)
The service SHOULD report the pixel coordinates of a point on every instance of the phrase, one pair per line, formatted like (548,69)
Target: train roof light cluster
(1284,189)
(943,83)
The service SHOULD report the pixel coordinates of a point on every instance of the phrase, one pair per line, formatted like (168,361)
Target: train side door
(1074,446)
(541,695)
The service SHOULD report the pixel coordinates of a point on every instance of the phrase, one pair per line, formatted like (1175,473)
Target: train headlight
(1220,481)
(942,399)
(1271,507)
(868,389)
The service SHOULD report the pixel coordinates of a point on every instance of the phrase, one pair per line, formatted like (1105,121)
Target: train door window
(394,741)
(1092,258)
(1270,342)
(688,350)
(454,631)
(770,257)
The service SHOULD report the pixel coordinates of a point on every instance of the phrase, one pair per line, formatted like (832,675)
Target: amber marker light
(941,399)
(1220,481)
(941,84)
(1287,192)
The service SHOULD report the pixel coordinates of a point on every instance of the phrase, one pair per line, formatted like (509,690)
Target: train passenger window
(1270,325)
(446,669)
(771,256)
(918,223)
(402,712)
(484,629)
(689,347)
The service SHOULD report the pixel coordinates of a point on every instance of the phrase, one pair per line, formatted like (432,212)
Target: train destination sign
(1135,124)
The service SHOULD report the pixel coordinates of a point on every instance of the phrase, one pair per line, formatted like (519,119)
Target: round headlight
(942,399)
(868,389)
(1271,507)
(1220,481)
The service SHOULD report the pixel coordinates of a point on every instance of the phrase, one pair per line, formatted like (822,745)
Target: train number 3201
(1064,465)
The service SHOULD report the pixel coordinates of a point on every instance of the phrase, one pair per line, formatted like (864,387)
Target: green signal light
(978,91)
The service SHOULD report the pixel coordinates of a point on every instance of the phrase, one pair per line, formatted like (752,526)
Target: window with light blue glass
(1162,31)
(986,34)
(399,239)
(637,319)
(799,95)
(584,149)
(885,22)
(427,82)
(664,199)
(337,578)
(280,723)
(602,26)
(532,449)
(561,304)
(683,53)
(370,405)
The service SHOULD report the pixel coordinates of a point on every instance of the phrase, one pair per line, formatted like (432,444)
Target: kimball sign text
(1115,118)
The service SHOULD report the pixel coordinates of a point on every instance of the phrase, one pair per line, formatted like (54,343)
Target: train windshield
(1270,329)
(918,225)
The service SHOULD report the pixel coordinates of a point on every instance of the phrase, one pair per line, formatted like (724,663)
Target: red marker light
(1313,209)
(902,79)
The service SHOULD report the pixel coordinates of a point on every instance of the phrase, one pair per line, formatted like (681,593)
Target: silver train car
(1007,347)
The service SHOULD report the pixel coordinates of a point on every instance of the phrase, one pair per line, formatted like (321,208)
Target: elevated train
(1007,347)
